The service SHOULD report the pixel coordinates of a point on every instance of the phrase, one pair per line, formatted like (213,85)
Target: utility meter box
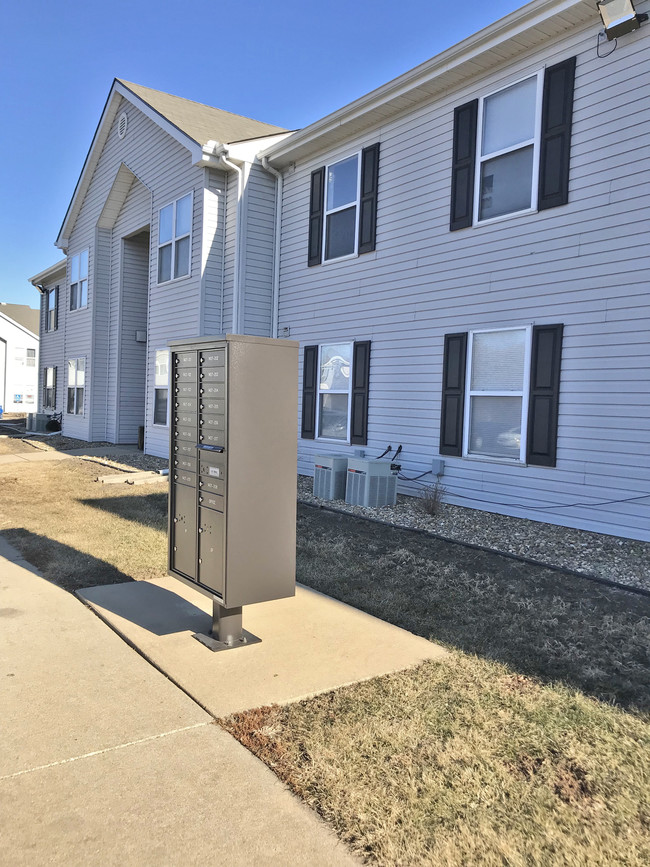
(232,468)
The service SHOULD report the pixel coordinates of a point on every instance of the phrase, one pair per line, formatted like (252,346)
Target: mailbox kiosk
(232,471)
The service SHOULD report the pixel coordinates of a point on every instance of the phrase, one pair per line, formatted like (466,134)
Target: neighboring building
(18,358)
(461,255)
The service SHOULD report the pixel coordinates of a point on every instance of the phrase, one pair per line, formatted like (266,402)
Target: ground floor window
(496,408)
(333,407)
(76,385)
(49,388)
(161,387)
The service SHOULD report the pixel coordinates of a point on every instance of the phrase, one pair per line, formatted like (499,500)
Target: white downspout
(236,288)
(275,292)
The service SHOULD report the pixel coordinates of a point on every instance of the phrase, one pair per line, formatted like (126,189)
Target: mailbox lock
(200,529)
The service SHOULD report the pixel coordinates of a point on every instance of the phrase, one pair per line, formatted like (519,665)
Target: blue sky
(288,63)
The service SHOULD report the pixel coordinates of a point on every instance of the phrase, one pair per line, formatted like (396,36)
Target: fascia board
(99,140)
(49,273)
(452,59)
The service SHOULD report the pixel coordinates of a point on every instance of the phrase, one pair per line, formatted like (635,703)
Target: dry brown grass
(79,532)
(463,763)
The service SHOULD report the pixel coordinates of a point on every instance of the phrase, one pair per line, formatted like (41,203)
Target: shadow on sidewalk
(150,607)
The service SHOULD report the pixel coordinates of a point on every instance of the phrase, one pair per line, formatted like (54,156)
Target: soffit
(526,29)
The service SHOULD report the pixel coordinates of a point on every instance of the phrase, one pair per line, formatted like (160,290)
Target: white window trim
(160,388)
(174,240)
(72,309)
(524,396)
(536,141)
(47,388)
(326,213)
(51,313)
(319,438)
(76,387)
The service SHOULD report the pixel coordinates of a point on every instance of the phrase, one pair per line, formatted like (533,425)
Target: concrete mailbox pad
(310,643)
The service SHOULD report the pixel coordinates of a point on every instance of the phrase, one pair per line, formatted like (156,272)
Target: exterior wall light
(619,17)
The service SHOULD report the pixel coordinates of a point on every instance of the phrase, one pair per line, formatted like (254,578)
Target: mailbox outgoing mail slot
(233,444)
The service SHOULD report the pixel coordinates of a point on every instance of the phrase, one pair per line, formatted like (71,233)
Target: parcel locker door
(211,550)
(183,541)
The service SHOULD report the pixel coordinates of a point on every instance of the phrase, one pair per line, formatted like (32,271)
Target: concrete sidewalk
(104,760)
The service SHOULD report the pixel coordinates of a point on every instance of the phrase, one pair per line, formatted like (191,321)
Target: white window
(333,405)
(49,388)
(79,280)
(30,358)
(174,239)
(76,385)
(161,387)
(496,407)
(509,123)
(52,303)
(340,236)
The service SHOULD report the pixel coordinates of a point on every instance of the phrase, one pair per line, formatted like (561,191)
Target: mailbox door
(183,529)
(211,550)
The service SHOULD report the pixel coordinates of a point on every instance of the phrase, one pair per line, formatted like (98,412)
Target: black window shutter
(463,166)
(54,387)
(544,398)
(360,383)
(453,395)
(557,113)
(316,203)
(309,392)
(44,387)
(56,307)
(368,204)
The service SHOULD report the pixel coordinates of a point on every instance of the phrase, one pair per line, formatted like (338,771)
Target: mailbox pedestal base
(227,632)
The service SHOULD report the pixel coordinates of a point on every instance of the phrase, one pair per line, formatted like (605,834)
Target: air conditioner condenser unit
(329,476)
(371,483)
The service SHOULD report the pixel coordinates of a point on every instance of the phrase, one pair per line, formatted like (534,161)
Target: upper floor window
(511,149)
(508,153)
(343,207)
(52,310)
(30,358)
(174,239)
(79,280)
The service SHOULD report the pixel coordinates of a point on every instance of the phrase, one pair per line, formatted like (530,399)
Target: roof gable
(192,124)
(22,315)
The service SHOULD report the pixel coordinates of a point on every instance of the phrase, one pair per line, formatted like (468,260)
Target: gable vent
(122,124)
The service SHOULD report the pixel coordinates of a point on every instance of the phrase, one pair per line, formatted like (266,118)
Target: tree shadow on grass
(150,510)
(541,622)
(61,564)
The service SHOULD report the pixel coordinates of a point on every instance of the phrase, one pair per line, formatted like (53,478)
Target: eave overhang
(521,31)
(49,275)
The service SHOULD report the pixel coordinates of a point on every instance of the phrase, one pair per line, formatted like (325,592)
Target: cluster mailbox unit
(232,468)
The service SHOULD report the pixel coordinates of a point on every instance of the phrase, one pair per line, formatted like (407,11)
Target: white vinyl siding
(164,169)
(584,265)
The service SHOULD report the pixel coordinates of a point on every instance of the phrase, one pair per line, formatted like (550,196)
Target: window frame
(156,389)
(320,391)
(327,212)
(77,288)
(47,403)
(524,393)
(51,312)
(174,241)
(480,158)
(76,387)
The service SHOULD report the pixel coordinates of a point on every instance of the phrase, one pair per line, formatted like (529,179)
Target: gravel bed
(625,561)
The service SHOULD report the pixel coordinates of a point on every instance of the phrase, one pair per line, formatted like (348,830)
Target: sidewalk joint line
(106,750)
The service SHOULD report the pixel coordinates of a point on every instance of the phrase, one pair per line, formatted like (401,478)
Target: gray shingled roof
(200,122)
(23,315)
